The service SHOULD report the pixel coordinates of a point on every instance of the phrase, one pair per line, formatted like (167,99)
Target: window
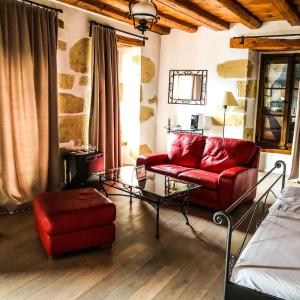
(278,94)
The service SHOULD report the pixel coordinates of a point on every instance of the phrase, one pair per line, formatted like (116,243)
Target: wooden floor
(186,263)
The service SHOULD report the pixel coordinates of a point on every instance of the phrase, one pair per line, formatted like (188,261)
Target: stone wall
(74,73)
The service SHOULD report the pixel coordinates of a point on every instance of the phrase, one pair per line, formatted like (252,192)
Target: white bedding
(270,263)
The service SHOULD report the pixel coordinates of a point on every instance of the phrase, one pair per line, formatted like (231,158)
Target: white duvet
(270,262)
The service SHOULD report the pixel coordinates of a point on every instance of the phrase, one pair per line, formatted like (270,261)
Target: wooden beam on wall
(111,12)
(193,11)
(265,44)
(164,19)
(125,41)
(285,8)
(240,11)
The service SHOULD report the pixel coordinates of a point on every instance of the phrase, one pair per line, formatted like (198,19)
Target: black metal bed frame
(234,291)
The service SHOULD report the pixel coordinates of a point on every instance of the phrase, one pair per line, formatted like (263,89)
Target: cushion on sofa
(169,170)
(221,154)
(206,179)
(186,149)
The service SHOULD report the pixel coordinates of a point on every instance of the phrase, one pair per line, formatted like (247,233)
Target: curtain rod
(58,10)
(242,37)
(119,30)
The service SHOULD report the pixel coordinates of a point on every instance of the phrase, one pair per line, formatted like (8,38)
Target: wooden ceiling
(188,15)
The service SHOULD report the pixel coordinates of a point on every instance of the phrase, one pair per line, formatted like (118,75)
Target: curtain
(104,129)
(29,152)
(294,174)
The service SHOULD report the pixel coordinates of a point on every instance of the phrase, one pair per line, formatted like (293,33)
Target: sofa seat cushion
(169,169)
(224,153)
(207,179)
(186,149)
(73,210)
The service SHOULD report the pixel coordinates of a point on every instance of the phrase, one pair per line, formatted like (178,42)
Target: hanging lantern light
(144,14)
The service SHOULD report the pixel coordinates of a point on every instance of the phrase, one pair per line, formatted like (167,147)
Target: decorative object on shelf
(187,87)
(196,121)
(207,123)
(143,13)
(227,100)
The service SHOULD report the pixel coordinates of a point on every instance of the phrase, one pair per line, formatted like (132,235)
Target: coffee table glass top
(154,183)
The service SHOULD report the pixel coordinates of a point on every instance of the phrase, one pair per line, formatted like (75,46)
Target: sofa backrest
(223,153)
(186,149)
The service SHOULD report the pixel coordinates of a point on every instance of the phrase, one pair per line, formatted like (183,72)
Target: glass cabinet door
(274,101)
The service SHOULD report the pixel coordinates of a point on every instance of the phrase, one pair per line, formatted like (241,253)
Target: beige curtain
(295,174)
(29,155)
(104,131)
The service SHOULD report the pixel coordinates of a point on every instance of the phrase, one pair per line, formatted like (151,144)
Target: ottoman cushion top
(73,210)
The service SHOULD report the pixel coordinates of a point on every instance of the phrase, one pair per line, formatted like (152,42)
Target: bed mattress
(270,263)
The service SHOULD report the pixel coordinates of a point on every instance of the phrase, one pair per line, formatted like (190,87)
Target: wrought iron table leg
(157,218)
(185,211)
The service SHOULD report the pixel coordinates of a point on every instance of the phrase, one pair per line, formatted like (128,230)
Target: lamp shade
(143,10)
(228,100)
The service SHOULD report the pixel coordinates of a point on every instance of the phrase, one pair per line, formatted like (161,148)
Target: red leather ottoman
(74,219)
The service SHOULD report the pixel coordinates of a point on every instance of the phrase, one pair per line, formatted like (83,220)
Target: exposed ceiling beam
(265,44)
(190,10)
(111,12)
(285,8)
(164,19)
(243,14)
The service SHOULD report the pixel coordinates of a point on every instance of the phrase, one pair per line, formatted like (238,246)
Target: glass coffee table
(155,189)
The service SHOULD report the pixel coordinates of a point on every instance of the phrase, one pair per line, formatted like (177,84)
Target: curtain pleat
(28,102)
(104,130)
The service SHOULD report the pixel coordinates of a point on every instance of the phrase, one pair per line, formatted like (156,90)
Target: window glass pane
(271,128)
(275,75)
(274,101)
(291,129)
(297,75)
(294,103)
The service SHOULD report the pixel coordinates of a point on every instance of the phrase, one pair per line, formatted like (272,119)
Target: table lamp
(228,100)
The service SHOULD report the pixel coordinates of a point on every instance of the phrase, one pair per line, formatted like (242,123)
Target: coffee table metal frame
(179,199)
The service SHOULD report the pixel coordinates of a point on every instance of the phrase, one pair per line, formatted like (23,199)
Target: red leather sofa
(226,168)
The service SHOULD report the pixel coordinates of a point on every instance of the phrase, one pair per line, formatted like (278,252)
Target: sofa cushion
(207,179)
(224,153)
(186,149)
(169,170)
(73,210)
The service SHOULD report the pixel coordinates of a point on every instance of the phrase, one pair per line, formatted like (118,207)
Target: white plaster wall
(205,49)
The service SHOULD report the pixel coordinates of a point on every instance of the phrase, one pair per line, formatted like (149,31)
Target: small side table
(80,165)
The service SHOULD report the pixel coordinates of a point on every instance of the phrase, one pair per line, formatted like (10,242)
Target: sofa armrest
(235,182)
(152,159)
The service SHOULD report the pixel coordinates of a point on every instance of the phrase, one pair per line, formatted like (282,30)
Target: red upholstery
(169,170)
(207,179)
(226,168)
(186,149)
(222,153)
(152,159)
(84,214)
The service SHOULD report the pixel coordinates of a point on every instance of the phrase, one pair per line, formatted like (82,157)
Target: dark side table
(80,165)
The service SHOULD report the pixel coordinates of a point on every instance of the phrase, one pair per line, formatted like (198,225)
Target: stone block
(246,88)
(241,108)
(153,100)
(66,81)
(121,91)
(248,134)
(70,104)
(61,45)
(146,113)
(84,80)
(73,128)
(147,68)
(80,56)
(241,68)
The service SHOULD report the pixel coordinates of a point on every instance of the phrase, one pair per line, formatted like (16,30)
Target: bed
(268,266)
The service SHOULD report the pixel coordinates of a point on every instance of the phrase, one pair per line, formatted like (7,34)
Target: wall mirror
(187,87)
